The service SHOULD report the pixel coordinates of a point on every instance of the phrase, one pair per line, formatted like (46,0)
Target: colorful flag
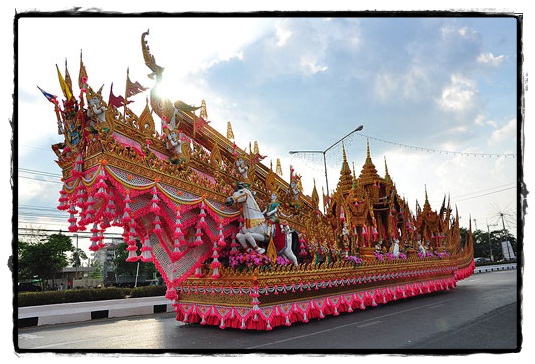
(82,77)
(50,97)
(132,88)
(116,101)
(64,86)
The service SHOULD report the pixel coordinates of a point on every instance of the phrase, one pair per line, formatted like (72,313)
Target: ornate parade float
(237,245)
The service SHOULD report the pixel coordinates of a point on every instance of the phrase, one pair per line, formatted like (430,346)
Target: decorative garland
(259,317)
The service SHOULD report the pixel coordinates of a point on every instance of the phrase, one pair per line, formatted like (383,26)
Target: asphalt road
(479,316)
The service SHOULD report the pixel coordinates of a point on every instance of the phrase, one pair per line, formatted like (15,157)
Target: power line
(441,151)
(41,173)
(486,194)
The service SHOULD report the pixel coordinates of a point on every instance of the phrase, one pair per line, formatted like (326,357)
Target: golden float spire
(279,168)
(203,113)
(387,176)
(369,172)
(345,183)
(230,134)
(315,197)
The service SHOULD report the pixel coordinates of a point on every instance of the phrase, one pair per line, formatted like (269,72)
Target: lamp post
(359,128)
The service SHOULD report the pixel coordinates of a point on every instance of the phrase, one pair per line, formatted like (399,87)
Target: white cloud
(386,85)
(410,85)
(505,133)
(490,59)
(459,95)
(480,119)
(282,32)
(452,31)
(311,64)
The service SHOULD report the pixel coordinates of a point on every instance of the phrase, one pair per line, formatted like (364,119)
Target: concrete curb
(494,268)
(86,311)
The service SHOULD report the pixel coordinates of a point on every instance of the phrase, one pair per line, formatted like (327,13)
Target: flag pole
(126,93)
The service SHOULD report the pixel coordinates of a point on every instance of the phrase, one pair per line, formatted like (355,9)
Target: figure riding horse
(255,227)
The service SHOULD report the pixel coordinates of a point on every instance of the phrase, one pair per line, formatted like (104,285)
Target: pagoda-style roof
(368,174)
(345,183)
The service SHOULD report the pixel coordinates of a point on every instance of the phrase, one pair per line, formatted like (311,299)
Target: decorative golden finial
(146,120)
(203,113)
(271,182)
(82,76)
(230,134)
(387,175)
(315,197)
(255,151)
(279,168)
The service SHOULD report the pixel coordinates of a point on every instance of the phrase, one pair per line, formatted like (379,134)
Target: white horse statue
(255,228)
(421,249)
(395,250)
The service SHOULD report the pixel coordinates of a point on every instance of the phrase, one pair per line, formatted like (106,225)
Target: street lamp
(359,128)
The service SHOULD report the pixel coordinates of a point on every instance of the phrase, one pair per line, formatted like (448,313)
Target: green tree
(43,259)
(485,241)
(77,256)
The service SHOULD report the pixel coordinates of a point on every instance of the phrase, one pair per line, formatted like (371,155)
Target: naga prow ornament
(236,244)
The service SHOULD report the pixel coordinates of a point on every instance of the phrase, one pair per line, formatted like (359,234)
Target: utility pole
(490,246)
(76,260)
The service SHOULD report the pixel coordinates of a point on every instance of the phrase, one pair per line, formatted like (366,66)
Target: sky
(420,86)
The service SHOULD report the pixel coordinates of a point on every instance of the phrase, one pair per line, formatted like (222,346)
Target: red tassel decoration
(234,245)
(146,250)
(94,238)
(215,263)
(157,225)
(126,215)
(202,215)
(132,256)
(132,247)
(72,219)
(178,235)
(198,239)
(63,200)
(101,238)
(100,185)
(154,207)
(90,208)
(171,294)
(221,241)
